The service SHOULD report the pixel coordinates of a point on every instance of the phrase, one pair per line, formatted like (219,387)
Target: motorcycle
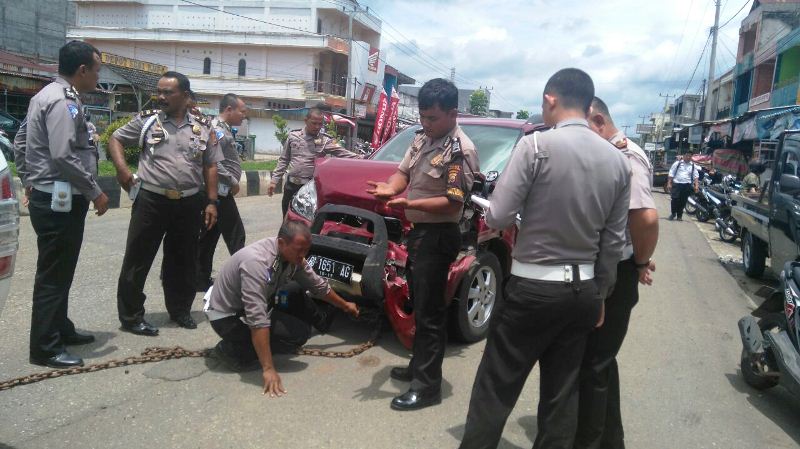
(726,225)
(770,353)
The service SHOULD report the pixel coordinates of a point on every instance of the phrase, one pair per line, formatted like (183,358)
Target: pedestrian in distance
(259,306)
(302,148)
(599,413)
(438,170)
(232,111)
(683,178)
(179,154)
(58,167)
(571,189)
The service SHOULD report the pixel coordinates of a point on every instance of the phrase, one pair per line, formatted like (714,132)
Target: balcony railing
(321,87)
(786,94)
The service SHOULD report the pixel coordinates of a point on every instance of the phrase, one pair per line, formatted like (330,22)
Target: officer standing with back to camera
(438,170)
(178,152)
(571,189)
(58,168)
(302,148)
(232,111)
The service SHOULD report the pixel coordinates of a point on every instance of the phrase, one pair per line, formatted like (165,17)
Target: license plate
(331,269)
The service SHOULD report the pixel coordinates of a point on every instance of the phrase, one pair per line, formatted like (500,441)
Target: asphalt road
(679,367)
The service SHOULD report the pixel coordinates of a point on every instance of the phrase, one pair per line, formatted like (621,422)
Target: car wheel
(754,255)
(751,374)
(479,293)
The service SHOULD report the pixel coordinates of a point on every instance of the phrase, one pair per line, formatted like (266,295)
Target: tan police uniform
(435,168)
(572,191)
(298,160)
(229,222)
(53,145)
(168,206)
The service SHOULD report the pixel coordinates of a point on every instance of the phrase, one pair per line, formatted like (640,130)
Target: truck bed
(752,214)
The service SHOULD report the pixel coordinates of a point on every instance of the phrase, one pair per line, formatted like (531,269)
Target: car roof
(523,125)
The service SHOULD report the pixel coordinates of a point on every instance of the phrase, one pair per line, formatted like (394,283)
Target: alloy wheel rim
(481,297)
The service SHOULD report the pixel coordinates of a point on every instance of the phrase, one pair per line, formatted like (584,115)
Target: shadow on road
(527,422)
(777,404)
(96,349)
(375,390)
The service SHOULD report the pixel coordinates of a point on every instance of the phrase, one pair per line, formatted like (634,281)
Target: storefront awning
(144,81)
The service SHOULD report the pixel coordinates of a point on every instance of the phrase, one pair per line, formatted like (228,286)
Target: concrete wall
(35,28)
(264,130)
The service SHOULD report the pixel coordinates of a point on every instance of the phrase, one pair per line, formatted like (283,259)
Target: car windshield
(494,145)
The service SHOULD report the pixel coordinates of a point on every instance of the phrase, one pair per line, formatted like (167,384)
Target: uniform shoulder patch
(149,112)
(73,110)
(220,134)
(419,131)
(70,93)
(201,119)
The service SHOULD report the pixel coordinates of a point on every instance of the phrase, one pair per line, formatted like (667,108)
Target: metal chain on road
(158,354)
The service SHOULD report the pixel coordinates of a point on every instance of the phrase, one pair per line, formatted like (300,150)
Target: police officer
(599,417)
(178,151)
(571,189)
(438,170)
(232,112)
(58,168)
(683,175)
(302,147)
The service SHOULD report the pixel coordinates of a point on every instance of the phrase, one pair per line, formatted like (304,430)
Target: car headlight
(304,202)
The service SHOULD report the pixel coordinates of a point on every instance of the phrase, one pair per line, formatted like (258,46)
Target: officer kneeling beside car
(256,307)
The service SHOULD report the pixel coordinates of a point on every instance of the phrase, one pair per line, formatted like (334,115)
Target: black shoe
(680,218)
(141,328)
(185,321)
(401,373)
(671,217)
(78,339)
(63,360)
(415,400)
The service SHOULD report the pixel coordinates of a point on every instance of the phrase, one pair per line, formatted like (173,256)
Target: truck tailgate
(752,215)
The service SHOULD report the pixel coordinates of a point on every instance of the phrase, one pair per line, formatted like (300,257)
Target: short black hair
(438,91)
(291,229)
(573,87)
(183,81)
(315,111)
(601,107)
(229,99)
(75,54)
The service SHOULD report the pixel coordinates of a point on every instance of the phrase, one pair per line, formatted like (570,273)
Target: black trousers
(680,194)
(599,416)
(289,189)
(539,321)
(155,218)
(230,226)
(432,247)
(59,236)
(289,328)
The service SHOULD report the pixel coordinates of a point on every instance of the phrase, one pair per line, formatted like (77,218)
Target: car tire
(750,373)
(754,255)
(479,293)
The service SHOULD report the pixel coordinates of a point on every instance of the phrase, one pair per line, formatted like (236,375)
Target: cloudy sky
(634,50)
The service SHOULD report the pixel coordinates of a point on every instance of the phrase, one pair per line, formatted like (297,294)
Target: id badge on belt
(134,191)
(223,189)
(62,197)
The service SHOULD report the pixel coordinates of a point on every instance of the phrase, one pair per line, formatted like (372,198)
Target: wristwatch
(642,265)
(215,202)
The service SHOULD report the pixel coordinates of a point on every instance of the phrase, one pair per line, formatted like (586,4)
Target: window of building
(242,67)
(319,26)
(207,66)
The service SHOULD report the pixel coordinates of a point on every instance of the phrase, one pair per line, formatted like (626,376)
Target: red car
(358,243)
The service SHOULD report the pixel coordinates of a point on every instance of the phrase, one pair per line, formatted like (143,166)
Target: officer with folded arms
(58,168)
(178,152)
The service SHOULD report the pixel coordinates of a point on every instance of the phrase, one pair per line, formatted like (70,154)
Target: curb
(252,183)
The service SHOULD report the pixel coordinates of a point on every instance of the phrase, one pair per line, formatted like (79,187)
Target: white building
(277,54)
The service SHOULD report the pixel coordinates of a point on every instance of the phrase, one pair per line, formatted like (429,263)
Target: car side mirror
(790,184)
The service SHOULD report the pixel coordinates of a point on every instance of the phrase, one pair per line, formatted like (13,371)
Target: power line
(697,65)
(734,16)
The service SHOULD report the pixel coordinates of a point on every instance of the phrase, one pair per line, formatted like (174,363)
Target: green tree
(523,114)
(330,129)
(131,153)
(479,103)
(282,129)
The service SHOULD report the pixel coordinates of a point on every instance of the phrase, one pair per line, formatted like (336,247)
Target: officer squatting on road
(58,167)
(599,413)
(179,151)
(438,170)
(564,262)
(302,148)
(232,111)
(258,305)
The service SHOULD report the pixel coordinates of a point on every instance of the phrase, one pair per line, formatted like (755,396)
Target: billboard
(642,128)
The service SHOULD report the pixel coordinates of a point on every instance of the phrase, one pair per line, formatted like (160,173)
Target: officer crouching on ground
(232,111)
(302,148)
(178,151)
(257,309)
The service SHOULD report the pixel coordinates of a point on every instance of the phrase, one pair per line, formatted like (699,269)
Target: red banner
(380,119)
(390,127)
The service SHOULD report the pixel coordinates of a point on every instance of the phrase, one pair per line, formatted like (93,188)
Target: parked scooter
(771,354)
(727,227)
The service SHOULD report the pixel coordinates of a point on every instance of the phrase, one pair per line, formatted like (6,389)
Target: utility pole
(663,117)
(625,129)
(452,74)
(715,31)
(351,88)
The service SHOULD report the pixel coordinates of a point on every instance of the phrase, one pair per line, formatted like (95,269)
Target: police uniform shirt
(441,167)
(173,154)
(300,152)
(251,277)
(576,209)
(229,170)
(20,146)
(641,181)
(684,172)
(56,146)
